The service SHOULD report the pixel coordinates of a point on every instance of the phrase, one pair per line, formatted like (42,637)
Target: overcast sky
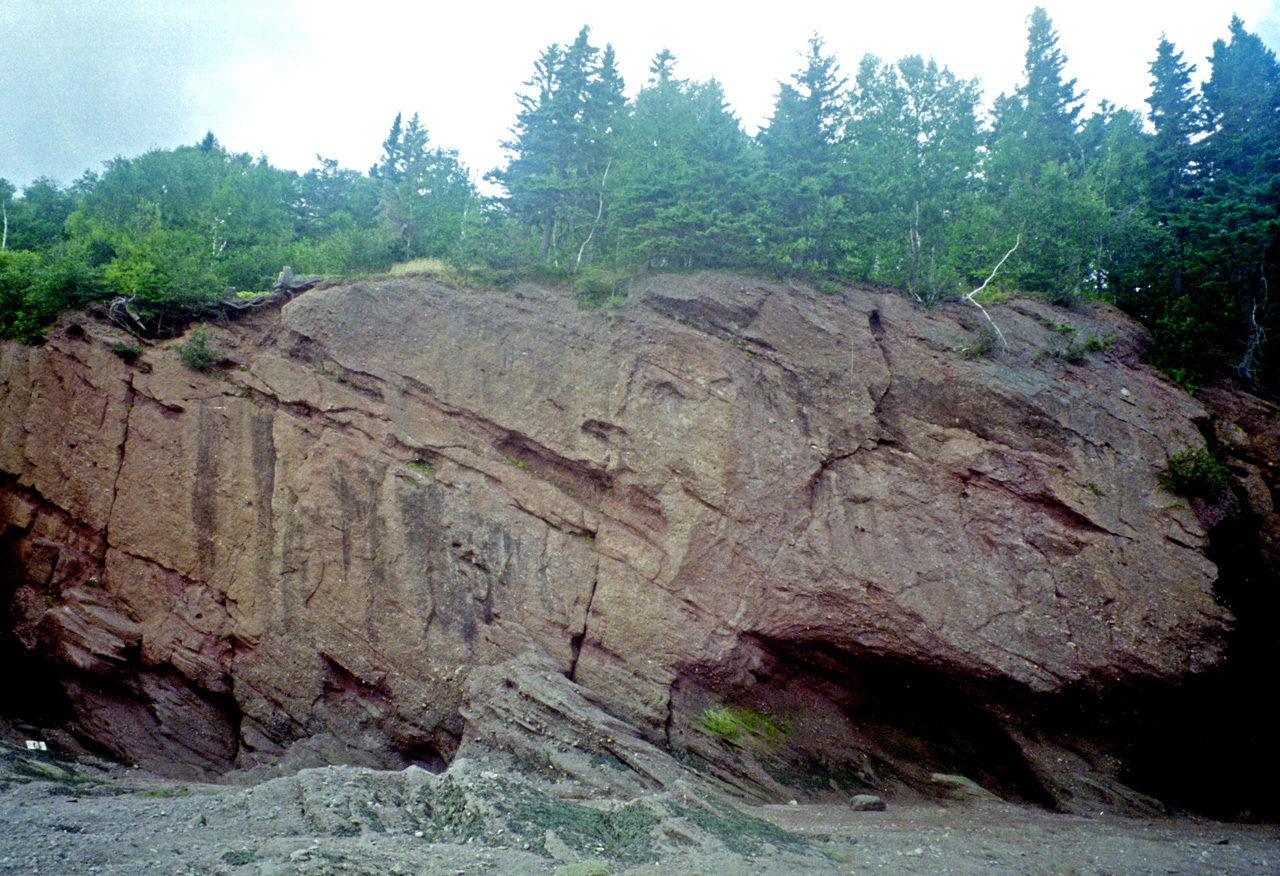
(82,81)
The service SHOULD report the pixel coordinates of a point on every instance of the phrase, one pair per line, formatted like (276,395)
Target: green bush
(983,344)
(127,352)
(1194,472)
(595,287)
(197,353)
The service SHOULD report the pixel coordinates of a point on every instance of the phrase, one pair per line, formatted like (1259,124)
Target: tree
(1242,103)
(7,191)
(1038,124)
(36,220)
(1212,246)
(392,153)
(564,136)
(425,192)
(808,117)
(1241,153)
(807,186)
(913,137)
(326,191)
(1115,155)
(176,227)
(681,186)
(1178,120)
(1050,103)
(1034,170)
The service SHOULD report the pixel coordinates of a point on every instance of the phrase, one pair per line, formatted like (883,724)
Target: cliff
(398,518)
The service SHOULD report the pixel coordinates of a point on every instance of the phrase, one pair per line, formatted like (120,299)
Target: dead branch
(599,212)
(971,299)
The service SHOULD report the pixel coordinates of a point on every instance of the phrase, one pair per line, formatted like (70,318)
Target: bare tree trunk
(599,212)
(913,266)
(548,225)
(4,238)
(1257,339)
(994,271)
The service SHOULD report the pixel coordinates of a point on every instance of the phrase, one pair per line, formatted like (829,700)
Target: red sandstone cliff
(400,514)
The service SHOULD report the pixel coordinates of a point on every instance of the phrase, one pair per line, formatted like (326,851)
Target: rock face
(726,490)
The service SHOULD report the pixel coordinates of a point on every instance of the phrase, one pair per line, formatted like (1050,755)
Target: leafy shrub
(594,287)
(197,353)
(35,286)
(1194,472)
(127,352)
(983,345)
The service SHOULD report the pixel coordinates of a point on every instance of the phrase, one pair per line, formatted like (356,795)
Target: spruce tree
(683,176)
(564,134)
(1034,170)
(807,184)
(1049,102)
(1176,116)
(1241,248)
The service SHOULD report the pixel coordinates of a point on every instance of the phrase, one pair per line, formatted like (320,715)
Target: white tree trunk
(994,271)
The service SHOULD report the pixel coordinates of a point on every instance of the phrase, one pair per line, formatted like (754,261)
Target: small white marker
(33,745)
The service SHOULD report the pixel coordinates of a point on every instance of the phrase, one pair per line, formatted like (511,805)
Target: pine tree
(806,184)
(1242,102)
(1049,103)
(682,183)
(1035,168)
(1176,115)
(564,136)
(1241,249)
(392,153)
(807,116)
(425,192)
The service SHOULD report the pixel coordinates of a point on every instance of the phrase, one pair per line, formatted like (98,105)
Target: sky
(84,81)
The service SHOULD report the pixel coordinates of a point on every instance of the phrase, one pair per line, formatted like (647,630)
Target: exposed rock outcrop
(725,490)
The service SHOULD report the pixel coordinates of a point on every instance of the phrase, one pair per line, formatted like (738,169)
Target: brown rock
(727,482)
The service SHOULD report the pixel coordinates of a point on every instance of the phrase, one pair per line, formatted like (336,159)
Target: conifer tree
(682,196)
(807,184)
(1034,171)
(424,195)
(1241,250)
(564,134)
(1176,116)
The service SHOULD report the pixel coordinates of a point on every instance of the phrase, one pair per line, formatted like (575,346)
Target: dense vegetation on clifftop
(895,174)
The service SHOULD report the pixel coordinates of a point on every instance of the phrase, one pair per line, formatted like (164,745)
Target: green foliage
(197,353)
(739,724)
(680,193)
(35,286)
(889,175)
(424,194)
(594,287)
(127,352)
(1194,472)
(911,147)
(562,152)
(984,344)
(1077,349)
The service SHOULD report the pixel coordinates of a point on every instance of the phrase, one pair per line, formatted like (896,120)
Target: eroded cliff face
(396,512)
